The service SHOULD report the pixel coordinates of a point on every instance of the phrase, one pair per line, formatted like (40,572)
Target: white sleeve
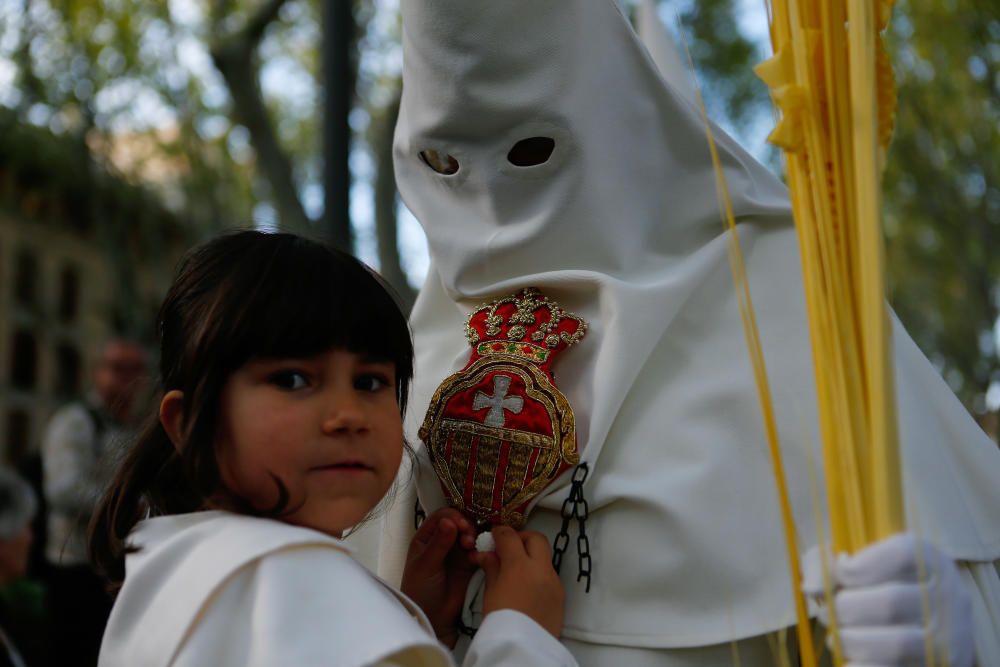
(508,637)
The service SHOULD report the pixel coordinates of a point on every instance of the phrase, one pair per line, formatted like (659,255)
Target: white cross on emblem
(498,402)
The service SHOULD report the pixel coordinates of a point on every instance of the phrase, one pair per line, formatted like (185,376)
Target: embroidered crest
(499,431)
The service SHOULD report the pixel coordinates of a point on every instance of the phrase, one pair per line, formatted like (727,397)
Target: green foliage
(117,77)
(723,54)
(942,187)
(45,175)
(942,184)
(724,57)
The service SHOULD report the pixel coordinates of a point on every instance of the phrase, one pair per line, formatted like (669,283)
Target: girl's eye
(290,380)
(371,382)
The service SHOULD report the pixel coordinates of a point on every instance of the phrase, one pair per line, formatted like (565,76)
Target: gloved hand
(884,594)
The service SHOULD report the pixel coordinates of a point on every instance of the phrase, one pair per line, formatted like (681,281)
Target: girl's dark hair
(240,296)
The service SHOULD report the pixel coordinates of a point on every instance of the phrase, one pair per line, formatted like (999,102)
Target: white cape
(621,226)
(214,588)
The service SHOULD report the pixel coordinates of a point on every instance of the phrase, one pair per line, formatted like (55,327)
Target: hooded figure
(539,146)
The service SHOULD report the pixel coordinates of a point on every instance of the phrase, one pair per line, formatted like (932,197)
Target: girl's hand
(438,568)
(520,576)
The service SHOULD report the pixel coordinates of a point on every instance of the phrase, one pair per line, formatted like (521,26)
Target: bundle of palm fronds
(832,82)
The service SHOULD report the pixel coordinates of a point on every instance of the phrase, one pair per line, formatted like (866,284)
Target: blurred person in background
(21,608)
(78,455)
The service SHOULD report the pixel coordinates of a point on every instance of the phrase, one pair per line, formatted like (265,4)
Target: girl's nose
(345,415)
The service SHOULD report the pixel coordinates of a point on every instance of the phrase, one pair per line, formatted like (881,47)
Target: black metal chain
(562,538)
(466,630)
(575,507)
(582,541)
(418,515)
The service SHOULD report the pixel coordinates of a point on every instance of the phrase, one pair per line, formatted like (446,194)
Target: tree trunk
(338,94)
(235,56)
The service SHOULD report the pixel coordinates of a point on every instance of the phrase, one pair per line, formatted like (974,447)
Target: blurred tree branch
(235,56)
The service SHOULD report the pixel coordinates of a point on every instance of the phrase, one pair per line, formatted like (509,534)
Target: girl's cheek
(239,474)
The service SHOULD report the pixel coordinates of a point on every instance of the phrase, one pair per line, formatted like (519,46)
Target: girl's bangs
(309,299)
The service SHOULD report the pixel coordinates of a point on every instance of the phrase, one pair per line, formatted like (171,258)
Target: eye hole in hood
(442,163)
(531,152)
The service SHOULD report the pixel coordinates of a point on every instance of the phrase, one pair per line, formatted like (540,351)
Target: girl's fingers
(508,543)
(536,545)
(434,541)
(464,560)
(466,533)
(467,540)
(464,528)
(425,532)
(456,516)
(422,539)
(490,565)
(442,541)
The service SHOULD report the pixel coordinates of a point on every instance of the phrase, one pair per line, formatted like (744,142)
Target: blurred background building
(83,256)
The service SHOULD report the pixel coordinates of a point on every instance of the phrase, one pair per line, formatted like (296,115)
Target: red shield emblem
(499,431)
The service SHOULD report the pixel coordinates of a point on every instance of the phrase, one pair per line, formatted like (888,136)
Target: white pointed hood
(481,77)
(663,50)
(621,226)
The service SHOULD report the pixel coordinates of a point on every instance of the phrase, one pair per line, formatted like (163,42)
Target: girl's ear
(172,416)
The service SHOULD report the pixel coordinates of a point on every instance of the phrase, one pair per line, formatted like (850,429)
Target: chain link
(562,538)
(575,507)
(418,515)
(466,630)
(559,546)
(583,547)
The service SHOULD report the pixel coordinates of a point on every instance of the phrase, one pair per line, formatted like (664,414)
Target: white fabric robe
(620,225)
(214,588)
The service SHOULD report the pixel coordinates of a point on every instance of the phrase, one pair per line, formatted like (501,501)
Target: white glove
(880,595)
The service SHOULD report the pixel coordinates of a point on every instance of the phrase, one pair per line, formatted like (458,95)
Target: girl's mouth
(344,466)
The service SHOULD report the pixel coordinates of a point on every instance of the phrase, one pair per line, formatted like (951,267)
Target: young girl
(285,367)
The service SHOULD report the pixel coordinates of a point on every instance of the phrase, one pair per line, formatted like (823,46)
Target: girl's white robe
(215,588)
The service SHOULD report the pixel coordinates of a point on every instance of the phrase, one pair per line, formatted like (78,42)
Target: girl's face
(327,426)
